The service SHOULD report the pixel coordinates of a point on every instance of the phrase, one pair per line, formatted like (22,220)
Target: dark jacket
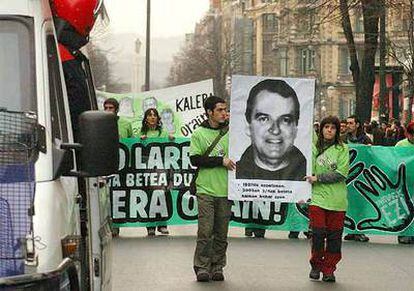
(207,162)
(296,169)
(360,139)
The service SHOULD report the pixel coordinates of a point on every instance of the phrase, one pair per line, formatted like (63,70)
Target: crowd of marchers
(209,148)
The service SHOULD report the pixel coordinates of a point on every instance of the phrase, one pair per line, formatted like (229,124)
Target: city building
(296,38)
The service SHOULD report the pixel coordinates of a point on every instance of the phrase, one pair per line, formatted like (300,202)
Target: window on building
(267,46)
(359,22)
(351,107)
(405,21)
(342,110)
(344,62)
(283,62)
(307,60)
(270,23)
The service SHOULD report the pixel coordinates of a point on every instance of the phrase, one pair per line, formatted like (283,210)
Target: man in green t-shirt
(124,131)
(214,210)
(124,126)
(407,142)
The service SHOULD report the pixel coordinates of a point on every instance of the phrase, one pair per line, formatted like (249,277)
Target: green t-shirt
(124,128)
(404,143)
(210,181)
(331,196)
(155,133)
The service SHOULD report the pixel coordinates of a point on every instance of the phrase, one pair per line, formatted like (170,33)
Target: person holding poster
(209,152)
(329,199)
(152,127)
(407,142)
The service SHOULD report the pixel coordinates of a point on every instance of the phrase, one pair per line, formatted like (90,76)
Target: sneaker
(308,234)
(203,276)
(151,231)
(361,238)
(163,230)
(248,232)
(315,274)
(329,278)
(349,237)
(115,232)
(406,240)
(217,276)
(293,235)
(259,233)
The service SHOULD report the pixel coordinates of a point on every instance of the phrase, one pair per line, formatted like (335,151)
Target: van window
(58,113)
(17,63)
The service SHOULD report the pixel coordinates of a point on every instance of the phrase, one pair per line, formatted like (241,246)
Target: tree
(210,55)
(99,65)
(362,65)
(363,72)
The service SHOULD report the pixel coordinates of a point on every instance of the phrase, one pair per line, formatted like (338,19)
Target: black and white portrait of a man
(270,131)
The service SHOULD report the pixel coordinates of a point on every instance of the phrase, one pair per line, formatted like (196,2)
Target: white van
(55,219)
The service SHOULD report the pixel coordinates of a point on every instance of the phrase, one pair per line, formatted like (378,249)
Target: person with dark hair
(344,130)
(377,134)
(124,126)
(356,135)
(272,114)
(124,131)
(329,199)
(209,152)
(356,132)
(407,142)
(152,127)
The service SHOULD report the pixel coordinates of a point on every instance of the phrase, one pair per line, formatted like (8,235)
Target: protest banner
(180,107)
(151,188)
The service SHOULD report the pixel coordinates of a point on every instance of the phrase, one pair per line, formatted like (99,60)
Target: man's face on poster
(148,103)
(273,127)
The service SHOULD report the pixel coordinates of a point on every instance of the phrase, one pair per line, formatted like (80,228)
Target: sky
(168,17)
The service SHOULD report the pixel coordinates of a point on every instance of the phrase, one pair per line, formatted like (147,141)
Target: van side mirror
(100,143)
(98,147)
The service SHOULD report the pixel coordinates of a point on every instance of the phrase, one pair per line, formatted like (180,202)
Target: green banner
(151,188)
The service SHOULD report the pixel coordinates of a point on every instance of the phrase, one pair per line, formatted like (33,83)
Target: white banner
(271,138)
(180,107)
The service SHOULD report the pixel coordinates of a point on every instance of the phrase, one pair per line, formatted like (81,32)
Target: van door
(100,233)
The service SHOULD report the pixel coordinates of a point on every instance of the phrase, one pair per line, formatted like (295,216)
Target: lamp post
(148,42)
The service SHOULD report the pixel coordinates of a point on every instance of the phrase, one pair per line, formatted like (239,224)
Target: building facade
(297,38)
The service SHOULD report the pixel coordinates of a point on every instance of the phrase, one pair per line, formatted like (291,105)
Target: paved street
(274,263)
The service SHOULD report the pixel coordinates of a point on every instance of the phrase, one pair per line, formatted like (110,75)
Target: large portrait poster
(271,138)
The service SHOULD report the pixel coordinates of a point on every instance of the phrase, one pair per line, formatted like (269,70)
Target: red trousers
(327,228)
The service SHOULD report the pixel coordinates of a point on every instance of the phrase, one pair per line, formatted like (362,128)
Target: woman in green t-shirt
(152,127)
(329,202)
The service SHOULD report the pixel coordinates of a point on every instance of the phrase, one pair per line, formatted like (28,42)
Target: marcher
(124,131)
(356,135)
(329,199)
(407,142)
(152,127)
(344,129)
(213,207)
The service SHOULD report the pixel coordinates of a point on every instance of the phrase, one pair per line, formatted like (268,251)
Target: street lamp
(148,42)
